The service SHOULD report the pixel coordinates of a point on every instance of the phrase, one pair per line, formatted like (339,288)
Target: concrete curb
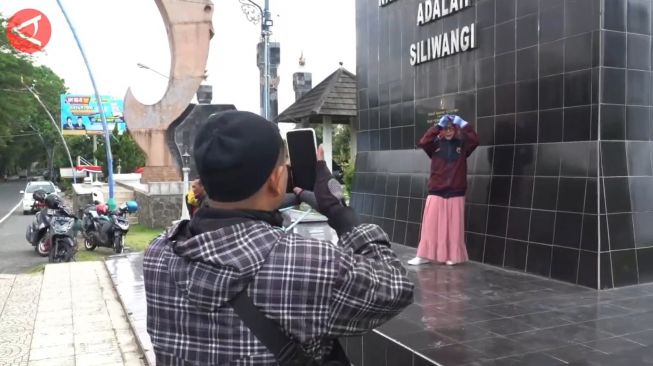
(146,359)
(10,212)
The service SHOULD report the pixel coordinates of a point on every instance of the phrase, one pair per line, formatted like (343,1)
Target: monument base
(153,174)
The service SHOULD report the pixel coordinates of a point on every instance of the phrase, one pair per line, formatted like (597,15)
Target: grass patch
(139,237)
(37,269)
(137,240)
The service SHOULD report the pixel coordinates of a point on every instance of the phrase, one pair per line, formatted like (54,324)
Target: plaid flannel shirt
(314,289)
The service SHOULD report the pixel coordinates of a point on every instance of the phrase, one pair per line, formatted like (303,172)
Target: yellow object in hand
(191,199)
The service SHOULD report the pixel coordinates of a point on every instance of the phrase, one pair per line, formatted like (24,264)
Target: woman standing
(448,144)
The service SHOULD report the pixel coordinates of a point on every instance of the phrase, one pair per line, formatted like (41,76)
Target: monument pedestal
(154,174)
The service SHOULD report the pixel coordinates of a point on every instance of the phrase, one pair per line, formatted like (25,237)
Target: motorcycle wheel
(89,246)
(53,257)
(41,248)
(69,251)
(118,244)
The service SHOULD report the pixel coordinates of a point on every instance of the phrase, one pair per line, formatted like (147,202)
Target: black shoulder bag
(285,350)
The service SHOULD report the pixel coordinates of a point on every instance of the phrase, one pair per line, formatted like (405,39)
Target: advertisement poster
(80,114)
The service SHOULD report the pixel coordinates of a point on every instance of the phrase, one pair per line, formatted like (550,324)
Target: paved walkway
(70,315)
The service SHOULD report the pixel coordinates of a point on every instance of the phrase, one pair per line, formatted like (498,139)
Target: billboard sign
(80,114)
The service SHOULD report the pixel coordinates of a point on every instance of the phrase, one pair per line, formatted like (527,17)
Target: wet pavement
(126,271)
(474,314)
(479,315)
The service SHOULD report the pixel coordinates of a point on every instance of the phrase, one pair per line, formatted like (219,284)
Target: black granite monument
(182,131)
(560,94)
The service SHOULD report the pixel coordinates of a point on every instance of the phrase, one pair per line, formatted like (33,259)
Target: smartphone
(302,150)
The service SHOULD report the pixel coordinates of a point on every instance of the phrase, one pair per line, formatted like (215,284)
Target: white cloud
(118,34)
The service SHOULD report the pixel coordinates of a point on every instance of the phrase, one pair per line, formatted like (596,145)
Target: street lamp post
(256,14)
(185,159)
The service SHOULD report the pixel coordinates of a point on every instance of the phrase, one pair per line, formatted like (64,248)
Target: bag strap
(286,351)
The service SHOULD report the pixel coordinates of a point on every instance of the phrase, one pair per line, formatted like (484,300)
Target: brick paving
(69,315)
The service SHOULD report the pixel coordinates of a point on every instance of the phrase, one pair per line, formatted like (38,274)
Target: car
(28,200)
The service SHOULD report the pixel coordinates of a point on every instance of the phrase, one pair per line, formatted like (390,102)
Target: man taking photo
(208,278)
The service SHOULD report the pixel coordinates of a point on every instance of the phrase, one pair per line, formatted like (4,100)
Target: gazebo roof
(335,97)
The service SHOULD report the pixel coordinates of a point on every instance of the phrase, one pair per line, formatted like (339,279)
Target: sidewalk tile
(133,359)
(93,347)
(52,340)
(62,361)
(45,353)
(99,358)
(14,352)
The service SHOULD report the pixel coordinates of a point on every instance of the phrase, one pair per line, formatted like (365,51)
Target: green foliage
(341,149)
(342,145)
(348,176)
(124,150)
(66,186)
(27,135)
(341,141)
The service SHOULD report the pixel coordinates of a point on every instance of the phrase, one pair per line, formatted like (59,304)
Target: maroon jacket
(449,160)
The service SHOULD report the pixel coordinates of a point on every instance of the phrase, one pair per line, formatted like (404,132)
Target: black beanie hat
(235,153)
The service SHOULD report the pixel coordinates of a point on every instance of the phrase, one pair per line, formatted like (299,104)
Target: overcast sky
(118,34)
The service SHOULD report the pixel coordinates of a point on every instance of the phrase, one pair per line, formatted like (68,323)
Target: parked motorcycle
(62,236)
(102,227)
(52,232)
(37,231)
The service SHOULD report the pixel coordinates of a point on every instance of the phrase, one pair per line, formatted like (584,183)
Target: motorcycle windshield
(62,225)
(122,224)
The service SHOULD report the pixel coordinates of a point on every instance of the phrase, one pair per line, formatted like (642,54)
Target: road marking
(10,212)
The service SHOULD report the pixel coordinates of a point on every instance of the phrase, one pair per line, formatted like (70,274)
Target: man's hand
(306,196)
(328,192)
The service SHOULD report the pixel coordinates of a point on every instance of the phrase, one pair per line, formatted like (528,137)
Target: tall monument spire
(302,81)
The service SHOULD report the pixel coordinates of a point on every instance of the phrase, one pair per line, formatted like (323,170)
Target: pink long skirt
(443,230)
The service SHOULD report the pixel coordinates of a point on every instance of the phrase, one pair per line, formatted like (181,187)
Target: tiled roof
(334,97)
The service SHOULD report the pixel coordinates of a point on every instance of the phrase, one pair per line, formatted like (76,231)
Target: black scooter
(105,229)
(52,232)
(37,231)
(62,235)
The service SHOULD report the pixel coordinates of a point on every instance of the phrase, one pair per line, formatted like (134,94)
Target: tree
(341,142)
(26,133)
(125,151)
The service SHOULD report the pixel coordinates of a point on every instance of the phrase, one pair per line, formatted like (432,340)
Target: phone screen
(303,158)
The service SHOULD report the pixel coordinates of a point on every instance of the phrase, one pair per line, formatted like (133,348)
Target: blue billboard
(80,114)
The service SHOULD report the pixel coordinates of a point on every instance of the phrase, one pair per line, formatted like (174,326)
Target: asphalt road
(9,196)
(16,254)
